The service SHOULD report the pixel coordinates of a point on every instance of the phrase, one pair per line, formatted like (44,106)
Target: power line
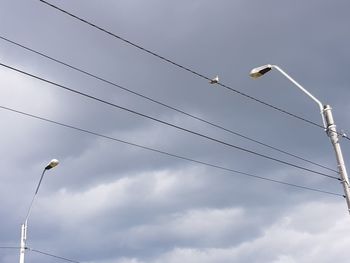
(43,253)
(187,69)
(169,124)
(179,65)
(165,105)
(52,255)
(166,153)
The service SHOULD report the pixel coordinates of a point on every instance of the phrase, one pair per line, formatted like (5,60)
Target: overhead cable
(179,65)
(164,152)
(167,123)
(43,253)
(52,255)
(165,105)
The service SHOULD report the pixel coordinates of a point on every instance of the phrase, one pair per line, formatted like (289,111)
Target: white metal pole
(333,135)
(320,105)
(24,226)
(328,124)
(23,242)
(330,127)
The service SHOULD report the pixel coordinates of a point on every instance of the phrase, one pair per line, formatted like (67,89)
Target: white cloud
(159,188)
(290,239)
(26,94)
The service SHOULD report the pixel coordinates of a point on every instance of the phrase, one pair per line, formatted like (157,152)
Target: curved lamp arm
(260,71)
(328,124)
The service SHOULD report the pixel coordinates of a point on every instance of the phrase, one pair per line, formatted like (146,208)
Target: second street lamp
(24,226)
(328,124)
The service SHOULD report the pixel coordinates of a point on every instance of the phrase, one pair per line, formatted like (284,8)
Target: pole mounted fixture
(328,124)
(52,164)
(24,226)
(259,71)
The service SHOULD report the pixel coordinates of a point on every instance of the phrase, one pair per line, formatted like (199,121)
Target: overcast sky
(109,201)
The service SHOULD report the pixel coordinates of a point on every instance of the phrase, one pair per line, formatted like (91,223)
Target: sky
(141,178)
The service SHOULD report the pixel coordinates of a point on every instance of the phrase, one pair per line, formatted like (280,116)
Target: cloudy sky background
(113,202)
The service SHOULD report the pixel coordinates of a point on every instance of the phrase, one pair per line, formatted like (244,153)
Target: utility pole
(328,124)
(24,226)
(334,137)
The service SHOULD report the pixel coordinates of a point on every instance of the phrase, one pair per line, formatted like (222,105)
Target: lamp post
(328,124)
(24,226)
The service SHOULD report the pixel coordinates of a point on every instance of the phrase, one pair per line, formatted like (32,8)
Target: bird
(214,80)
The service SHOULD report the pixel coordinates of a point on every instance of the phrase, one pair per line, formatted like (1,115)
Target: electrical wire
(7,247)
(44,253)
(181,66)
(164,152)
(163,104)
(169,124)
(52,255)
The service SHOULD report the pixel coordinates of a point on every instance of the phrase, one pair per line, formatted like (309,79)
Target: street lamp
(49,166)
(328,124)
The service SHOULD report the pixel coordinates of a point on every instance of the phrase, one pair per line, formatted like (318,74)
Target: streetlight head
(52,164)
(259,71)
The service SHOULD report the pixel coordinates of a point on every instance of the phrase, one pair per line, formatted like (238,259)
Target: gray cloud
(111,202)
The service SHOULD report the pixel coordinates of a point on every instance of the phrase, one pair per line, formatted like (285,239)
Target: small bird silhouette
(214,80)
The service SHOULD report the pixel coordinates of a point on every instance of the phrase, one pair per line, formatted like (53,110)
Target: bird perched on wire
(214,80)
